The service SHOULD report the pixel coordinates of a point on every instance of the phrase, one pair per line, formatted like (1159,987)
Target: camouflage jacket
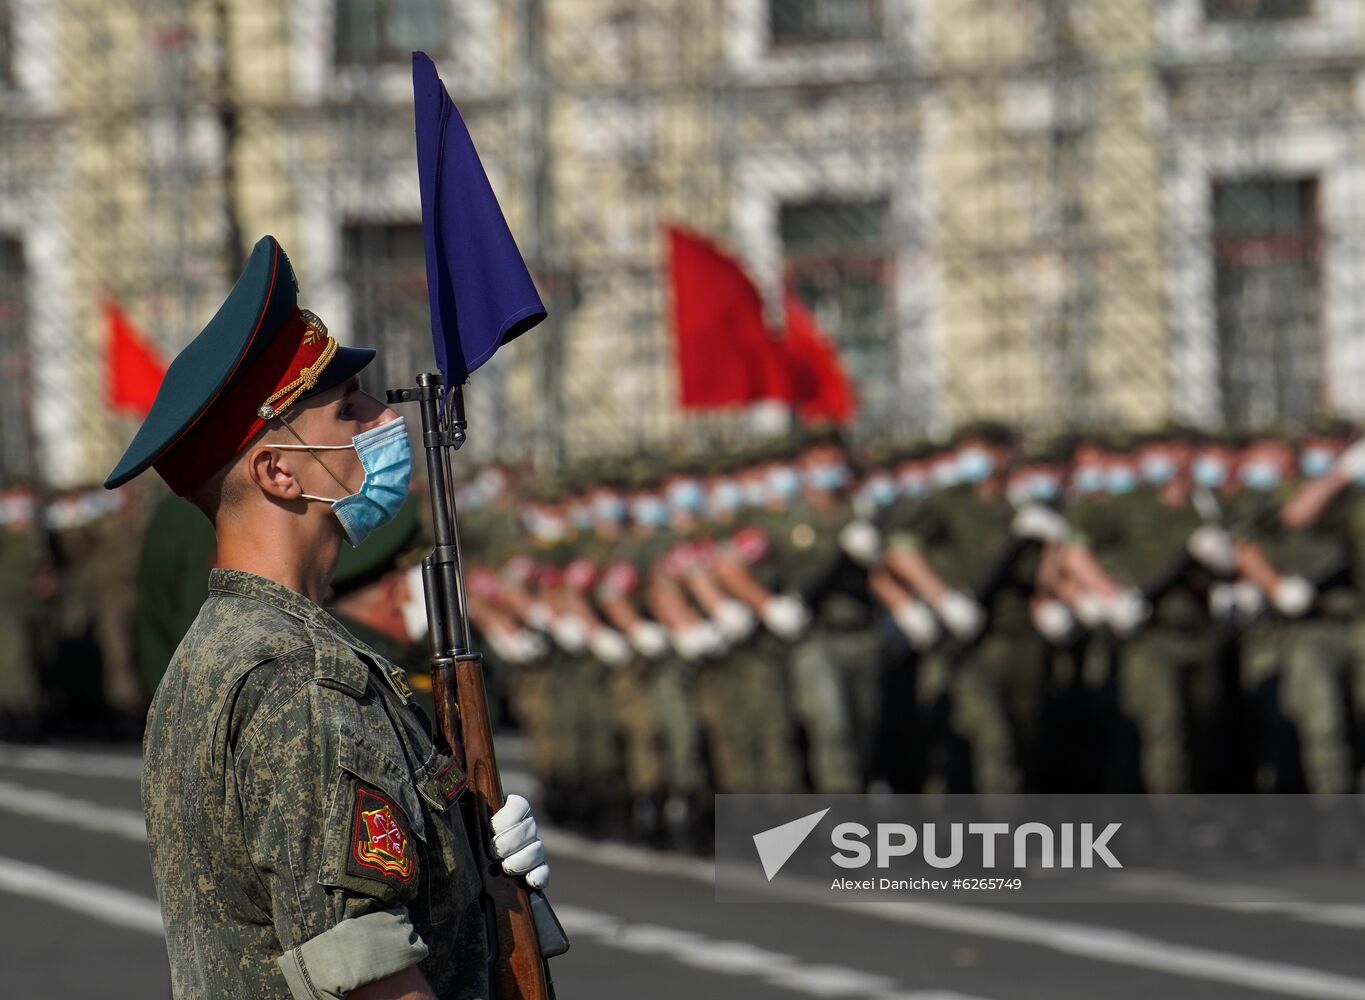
(305,834)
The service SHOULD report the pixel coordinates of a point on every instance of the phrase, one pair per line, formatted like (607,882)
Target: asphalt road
(78,918)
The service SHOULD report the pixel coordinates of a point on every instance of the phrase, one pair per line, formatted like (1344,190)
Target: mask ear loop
(311,448)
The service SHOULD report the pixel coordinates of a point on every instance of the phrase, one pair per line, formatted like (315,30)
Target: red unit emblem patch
(381,841)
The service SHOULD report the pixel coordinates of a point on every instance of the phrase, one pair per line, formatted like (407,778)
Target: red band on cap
(226,427)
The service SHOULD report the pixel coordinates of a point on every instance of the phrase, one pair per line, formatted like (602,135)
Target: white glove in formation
(786,617)
(734,620)
(517,646)
(569,633)
(609,646)
(918,623)
(1213,548)
(1126,612)
(539,615)
(861,542)
(1351,462)
(1039,523)
(1247,598)
(1053,620)
(649,639)
(516,842)
(960,615)
(697,642)
(1293,596)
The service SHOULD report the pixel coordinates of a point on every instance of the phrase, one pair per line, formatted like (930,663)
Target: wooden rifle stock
(517,967)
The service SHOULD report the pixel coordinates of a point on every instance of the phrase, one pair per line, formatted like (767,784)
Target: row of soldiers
(1170,613)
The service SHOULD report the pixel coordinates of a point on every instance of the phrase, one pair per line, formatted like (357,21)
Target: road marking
(1253,900)
(90,764)
(38,803)
(738,958)
(94,899)
(1093,942)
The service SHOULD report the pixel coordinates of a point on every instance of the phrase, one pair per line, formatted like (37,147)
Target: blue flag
(481,293)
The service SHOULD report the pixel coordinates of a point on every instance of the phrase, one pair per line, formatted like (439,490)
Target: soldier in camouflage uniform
(306,834)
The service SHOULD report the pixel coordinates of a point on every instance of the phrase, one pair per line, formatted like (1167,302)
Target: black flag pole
(523,929)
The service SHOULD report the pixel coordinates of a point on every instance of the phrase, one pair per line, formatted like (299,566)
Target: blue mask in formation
(827,477)
(726,496)
(580,515)
(1260,476)
(686,495)
(1209,472)
(1158,470)
(1045,487)
(386,457)
(945,473)
(913,484)
(1316,462)
(609,508)
(974,465)
(1121,479)
(881,490)
(1088,479)
(755,493)
(649,510)
(784,483)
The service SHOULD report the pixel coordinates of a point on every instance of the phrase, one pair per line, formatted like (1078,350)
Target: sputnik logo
(777,845)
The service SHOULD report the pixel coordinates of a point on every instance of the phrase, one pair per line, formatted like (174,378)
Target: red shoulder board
(619,579)
(678,561)
(703,553)
(580,574)
(381,840)
(549,576)
(749,545)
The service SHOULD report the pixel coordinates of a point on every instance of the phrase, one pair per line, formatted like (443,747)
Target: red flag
(823,391)
(133,368)
(726,356)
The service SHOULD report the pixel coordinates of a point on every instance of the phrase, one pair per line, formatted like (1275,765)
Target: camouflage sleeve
(329,818)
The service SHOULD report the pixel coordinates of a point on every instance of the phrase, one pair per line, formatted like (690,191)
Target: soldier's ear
(271,471)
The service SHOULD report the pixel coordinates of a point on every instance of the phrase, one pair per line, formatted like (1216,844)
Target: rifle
(520,921)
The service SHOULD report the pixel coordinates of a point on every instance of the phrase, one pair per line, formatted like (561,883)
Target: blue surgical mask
(726,496)
(881,490)
(827,477)
(945,473)
(580,515)
(386,458)
(784,483)
(1209,472)
(1158,470)
(755,492)
(1045,487)
(649,510)
(1088,479)
(686,495)
(609,508)
(1259,476)
(1121,479)
(913,484)
(1316,462)
(974,465)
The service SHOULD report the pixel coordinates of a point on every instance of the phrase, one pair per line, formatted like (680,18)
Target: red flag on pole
(133,368)
(823,390)
(726,356)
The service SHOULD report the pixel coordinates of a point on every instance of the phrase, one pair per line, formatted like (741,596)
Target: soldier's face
(335,417)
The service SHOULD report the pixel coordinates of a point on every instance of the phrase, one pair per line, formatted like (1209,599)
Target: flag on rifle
(480,290)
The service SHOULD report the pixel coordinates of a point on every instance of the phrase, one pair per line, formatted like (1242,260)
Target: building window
(16,427)
(838,261)
(1256,10)
(373,32)
(1267,250)
(806,22)
(386,271)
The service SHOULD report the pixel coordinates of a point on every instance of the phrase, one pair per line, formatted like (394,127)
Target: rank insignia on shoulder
(381,841)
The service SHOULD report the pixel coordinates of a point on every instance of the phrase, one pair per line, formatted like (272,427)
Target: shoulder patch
(381,839)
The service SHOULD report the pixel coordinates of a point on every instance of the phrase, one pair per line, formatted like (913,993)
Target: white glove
(1223,600)
(861,542)
(507,647)
(734,620)
(918,623)
(609,646)
(516,842)
(1040,524)
(569,633)
(539,615)
(961,615)
(697,641)
(1293,596)
(785,617)
(1053,620)
(649,639)
(1351,462)
(1126,612)
(1091,610)
(1247,598)
(1213,548)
